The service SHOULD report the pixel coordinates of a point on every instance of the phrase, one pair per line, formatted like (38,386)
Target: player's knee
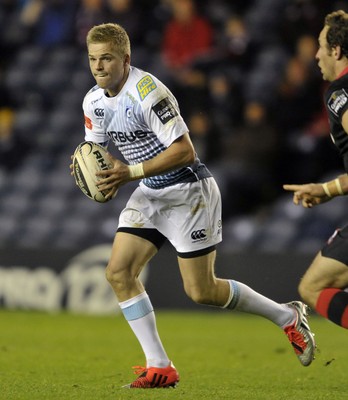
(307,292)
(110,275)
(198,295)
(115,277)
(200,298)
(302,289)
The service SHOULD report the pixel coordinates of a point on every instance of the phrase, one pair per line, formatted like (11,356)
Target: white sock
(245,299)
(139,313)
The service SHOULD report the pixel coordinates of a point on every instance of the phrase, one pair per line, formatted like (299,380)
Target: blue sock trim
(138,310)
(235,295)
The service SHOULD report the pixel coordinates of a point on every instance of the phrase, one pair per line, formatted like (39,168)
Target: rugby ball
(88,159)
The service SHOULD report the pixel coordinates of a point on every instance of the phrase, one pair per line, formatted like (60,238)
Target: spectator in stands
(127,13)
(13,32)
(306,47)
(51,22)
(134,17)
(249,161)
(301,17)
(187,36)
(187,40)
(224,100)
(13,148)
(205,135)
(89,13)
(297,95)
(236,47)
(305,137)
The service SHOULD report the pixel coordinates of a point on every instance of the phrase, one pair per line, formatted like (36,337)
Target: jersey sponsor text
(124,137)
(145,86)
(165,110)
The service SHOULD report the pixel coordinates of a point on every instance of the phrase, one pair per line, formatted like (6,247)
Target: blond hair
(110,33)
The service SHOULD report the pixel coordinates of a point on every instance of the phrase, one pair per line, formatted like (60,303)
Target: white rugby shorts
(187,214)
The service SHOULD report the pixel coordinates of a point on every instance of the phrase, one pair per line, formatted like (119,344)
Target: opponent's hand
(308,195)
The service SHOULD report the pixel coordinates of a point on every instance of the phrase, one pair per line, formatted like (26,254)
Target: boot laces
(137,370)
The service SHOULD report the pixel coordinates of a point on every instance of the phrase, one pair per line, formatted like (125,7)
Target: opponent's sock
(245,299)
(333,304)
(139,313)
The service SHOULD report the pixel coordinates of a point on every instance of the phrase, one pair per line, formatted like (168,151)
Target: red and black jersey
(336,102)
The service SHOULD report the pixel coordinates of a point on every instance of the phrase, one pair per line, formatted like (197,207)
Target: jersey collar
(344,72)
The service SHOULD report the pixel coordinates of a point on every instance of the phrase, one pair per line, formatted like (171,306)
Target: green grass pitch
(219,355)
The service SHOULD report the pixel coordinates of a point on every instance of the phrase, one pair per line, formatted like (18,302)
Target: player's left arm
(179,154)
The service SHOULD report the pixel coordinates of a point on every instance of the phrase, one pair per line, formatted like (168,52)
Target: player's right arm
(313,194)
(93,111)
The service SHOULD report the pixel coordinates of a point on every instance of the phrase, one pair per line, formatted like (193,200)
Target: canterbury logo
(99,112)
(158,380)
(198,235)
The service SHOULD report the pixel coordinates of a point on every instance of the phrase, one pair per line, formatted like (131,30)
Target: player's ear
(337,52)
(126,60)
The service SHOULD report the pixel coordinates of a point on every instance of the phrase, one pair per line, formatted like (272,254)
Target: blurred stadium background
(249,88)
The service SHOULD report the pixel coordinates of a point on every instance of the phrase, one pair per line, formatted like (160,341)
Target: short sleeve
(162,114)
(337,103)
(94,129)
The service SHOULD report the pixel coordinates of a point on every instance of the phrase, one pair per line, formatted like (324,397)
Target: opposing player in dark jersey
(177,199)
(325,283)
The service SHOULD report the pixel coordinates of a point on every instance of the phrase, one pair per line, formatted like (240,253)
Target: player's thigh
(325,272)
(189,215)
(130,253)
(200,282)
(197,272)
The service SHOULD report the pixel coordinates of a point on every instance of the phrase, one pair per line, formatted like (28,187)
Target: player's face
(325,57)
(107,67)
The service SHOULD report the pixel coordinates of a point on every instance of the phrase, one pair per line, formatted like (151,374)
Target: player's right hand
(308,195)
(71,167)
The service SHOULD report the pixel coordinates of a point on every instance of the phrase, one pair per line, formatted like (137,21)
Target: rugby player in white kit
(177,199)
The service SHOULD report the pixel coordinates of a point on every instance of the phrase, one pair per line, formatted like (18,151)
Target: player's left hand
(112,179)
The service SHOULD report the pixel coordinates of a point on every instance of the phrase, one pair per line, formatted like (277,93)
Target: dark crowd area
(244,74)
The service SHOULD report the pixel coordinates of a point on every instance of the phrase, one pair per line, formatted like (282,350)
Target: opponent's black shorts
(337,246)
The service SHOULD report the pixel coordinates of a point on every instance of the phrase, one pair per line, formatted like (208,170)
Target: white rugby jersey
(142,120)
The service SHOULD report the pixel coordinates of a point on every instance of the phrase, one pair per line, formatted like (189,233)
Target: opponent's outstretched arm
(312,194)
